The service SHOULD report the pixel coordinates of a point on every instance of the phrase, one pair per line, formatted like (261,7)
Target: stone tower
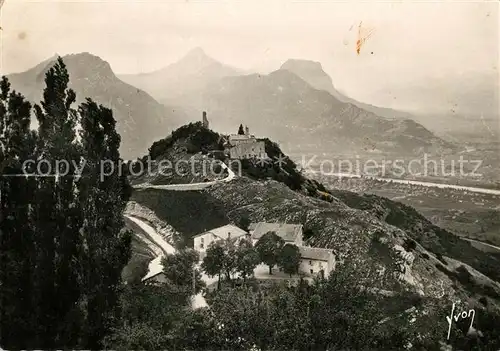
(205,120)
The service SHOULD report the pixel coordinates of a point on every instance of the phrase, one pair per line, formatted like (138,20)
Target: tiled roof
(315,253)
(289,232)
(155,267)
(236,138)
(224,231)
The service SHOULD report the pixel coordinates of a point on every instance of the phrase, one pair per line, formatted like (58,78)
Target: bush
(198,137)
(409,245)
(440,258)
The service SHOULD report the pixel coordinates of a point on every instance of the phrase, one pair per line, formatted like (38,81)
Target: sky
(411,42)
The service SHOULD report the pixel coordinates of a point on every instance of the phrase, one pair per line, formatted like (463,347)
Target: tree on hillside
(244,223)
(213,262)
(230,258)
(180,271)
(69,274)
(269,247)
(18,326)
(241,131)
(103,193)
(289,259)
(247,258)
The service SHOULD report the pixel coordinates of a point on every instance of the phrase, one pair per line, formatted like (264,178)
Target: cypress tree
(17,324)
(241,131)
(103,191)
(62,246)
(57,217)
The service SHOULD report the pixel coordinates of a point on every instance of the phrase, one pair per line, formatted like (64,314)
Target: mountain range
(140,118)
(297,105)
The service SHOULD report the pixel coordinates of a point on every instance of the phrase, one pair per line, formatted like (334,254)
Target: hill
(421,257)
(140,118)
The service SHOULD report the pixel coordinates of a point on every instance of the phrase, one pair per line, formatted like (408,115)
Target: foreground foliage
(62,247)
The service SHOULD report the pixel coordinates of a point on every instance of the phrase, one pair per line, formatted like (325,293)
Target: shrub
(409,245)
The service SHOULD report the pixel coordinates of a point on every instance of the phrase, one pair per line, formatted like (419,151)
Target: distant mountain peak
(303,64)
(85,64)
(198,56)
(312,72)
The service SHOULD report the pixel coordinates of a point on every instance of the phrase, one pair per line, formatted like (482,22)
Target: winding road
(483,243)
(155,265)
(191,186)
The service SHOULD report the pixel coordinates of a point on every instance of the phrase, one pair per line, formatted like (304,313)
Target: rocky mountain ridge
(139,117)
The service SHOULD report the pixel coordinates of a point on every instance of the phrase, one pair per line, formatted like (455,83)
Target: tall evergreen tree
(62,243)
(57,218)
(241,131)
(103,193)
(17,325)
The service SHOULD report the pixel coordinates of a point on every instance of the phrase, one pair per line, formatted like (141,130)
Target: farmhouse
(314,261)
(290,233)
(203,240)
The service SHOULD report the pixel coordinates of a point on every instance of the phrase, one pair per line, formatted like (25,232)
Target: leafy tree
(241,131)
(247,258)
(69,226)
(230,257)
(58,217)
(289,259)
(18,325)
(180,271)
(244,223)
(150,314)
(269,247)
(213,262)
(103,193)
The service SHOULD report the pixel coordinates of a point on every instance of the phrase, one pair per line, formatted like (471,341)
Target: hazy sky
(411,41)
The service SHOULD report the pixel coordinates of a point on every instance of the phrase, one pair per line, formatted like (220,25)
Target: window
(310,262)
(312,271)
(202,243)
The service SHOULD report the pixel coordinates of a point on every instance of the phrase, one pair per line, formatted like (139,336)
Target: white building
(246,150)
(155,271)
(245,146)
(203,240)
(316,261)
(237,139)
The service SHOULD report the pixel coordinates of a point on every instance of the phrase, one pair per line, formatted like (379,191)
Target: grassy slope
(189,212)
